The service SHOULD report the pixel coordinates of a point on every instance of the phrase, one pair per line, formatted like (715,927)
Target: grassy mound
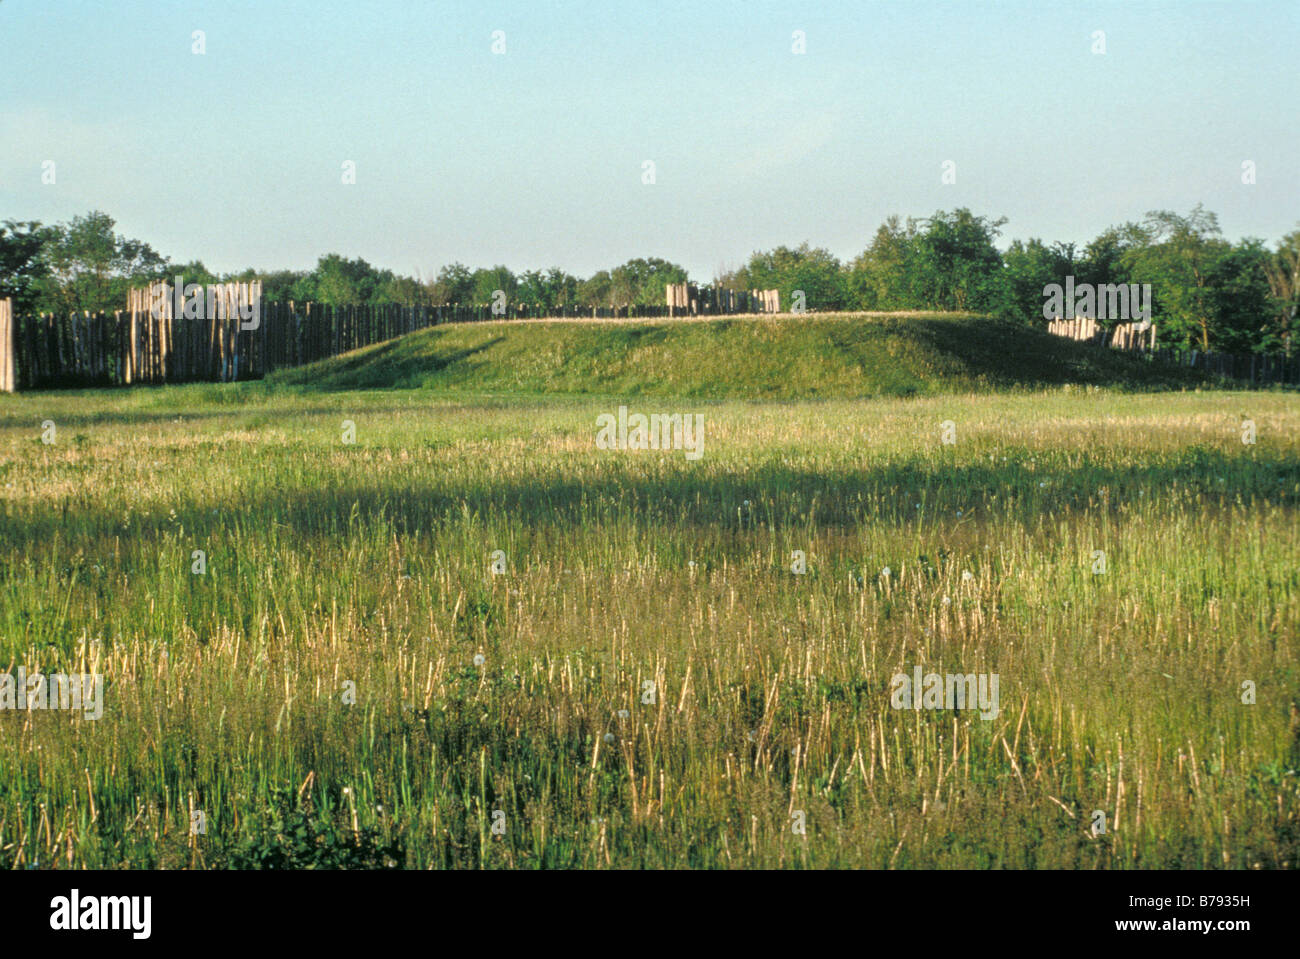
(840,356)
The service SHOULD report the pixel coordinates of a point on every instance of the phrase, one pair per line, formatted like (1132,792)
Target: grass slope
(841,356)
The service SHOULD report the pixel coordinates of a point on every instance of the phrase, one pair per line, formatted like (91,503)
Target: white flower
(479,660)
(967,576)
(623,714)
(609,737)
(947,601)
(885,572)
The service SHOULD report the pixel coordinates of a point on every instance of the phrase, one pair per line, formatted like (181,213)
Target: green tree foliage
(339,281)
(812,270)
(644,282)
(1026,269)
(89,267)
(1176,255)
(399,290)
(21,266)
(1237,301)
(277,286)
(192,272)
(486,283)
(597,291)
(956,263)
(946,262)
(549,290)
(1282,271)
(453,284)
(1105,260)
(881,277)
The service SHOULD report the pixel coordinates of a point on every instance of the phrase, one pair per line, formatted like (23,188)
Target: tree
(549,291)
(596,291)
(1282,271)
(1026,269)
(89,267)
(21,266)
(398,290)
(1104,259)
(643,282)
(813,271)
(453,284)
(1238,299)
(488,282)
(193,272)
(1176,255)
(956,264)
(563,287)
(881,277)
(338,281)
(277,286)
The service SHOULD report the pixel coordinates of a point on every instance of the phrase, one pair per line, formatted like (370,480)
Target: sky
(536,156)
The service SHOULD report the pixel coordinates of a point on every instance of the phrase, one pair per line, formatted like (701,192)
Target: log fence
(149,343)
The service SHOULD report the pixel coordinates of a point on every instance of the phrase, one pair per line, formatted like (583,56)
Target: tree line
(1207,292)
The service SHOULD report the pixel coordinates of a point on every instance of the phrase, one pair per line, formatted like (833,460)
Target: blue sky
(534,158)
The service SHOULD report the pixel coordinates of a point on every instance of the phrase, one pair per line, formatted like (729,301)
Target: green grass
(369,563)
(810,357)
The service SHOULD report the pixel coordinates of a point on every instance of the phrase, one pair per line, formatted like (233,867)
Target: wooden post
(128,348)
(8,382)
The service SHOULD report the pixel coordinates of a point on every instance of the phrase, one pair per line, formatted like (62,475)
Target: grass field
(504,719)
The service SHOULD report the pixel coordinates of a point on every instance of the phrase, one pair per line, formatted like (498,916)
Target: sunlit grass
(369,563)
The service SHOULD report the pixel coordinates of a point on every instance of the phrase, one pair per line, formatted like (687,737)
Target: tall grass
(330,564)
